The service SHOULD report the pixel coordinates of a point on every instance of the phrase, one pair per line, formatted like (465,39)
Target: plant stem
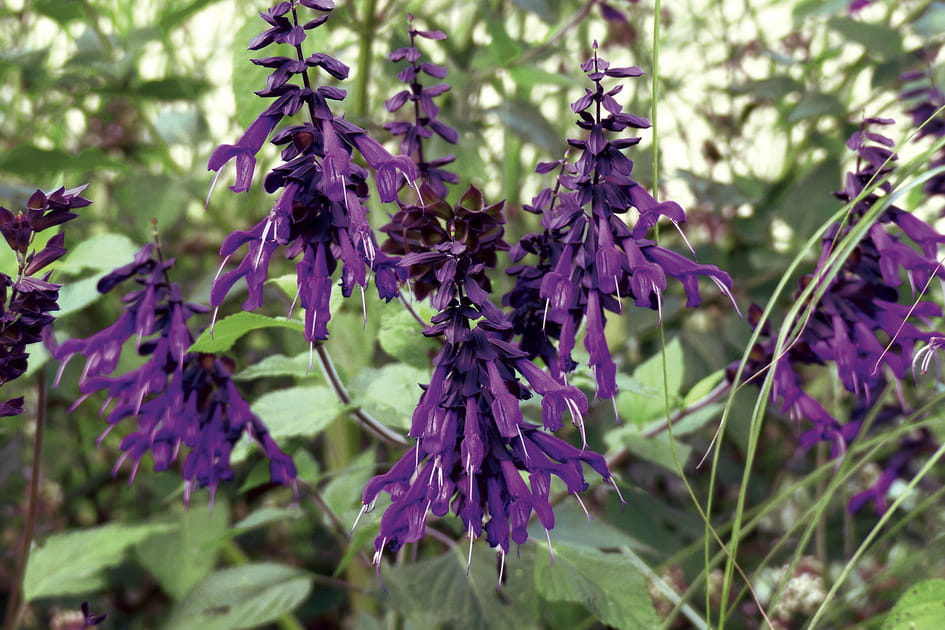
(15,602)
(365,58)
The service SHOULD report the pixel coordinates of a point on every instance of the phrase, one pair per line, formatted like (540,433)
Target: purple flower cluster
(859,310)
(320,217)
(589,258)
(925,100)
(27,300)
(425,112)
(179,398)
(473,442)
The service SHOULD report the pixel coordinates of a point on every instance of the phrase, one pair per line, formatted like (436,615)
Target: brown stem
(15,603)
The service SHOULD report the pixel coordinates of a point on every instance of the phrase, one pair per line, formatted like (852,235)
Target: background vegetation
(756,100)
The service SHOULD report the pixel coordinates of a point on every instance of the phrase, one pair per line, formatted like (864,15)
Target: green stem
(365,58)
(15,602)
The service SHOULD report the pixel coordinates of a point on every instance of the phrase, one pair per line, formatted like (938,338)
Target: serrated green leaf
(228,330)
(656,449)
(573,528)
(390,393)
(76,295)
(610,587)
(922,607)
(179,559)
(460,601)
(71,563)
(279,365)
(293,412)
(102,252)
(242,597)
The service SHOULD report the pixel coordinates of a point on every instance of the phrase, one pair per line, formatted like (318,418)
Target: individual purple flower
(589,258)
(27,301)
(473,442)
(320,217)
(179,398)
(425,122)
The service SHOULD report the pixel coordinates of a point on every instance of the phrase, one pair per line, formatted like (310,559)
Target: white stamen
(551,551)
(357,518)
(544,315)
(295,301)
(213,184)
(213,320)
(220,270)
(262,241)
(522,438)
(469,534)
(685,240)
(613,482)
(363,309)
(311,358)
(583,507)
(725,291)
(501,568)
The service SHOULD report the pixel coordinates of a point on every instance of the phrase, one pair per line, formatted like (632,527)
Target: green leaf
(390,393)
(293,412)
(702,389)
(932,21)
(611,588)
(35,162)
(181,558)
(529,77)
(457,600)
(76,295)
(279,365)
(247,77)
(156,196)
(656,449)
(228,330)
(544,9)
(102,252)
(63,11)
(171,89)
(525,121)
(399,336)
(879,40)
(646,402)
(770,89)
(503,48)
(264,516)
(922,607)
(71,563)
(242,597)
(572,528)
(815,105)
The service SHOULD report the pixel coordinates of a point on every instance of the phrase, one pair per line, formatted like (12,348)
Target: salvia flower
(27,300)
(473,442)
(858,325)
(320,216)
(179,398)
(425,122)
(589,257)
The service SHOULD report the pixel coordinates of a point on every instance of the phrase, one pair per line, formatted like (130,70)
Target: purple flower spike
(179,398)
(425,112)
(858,325)
(473,441)
(320,218)
(27,301)
(588,258)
